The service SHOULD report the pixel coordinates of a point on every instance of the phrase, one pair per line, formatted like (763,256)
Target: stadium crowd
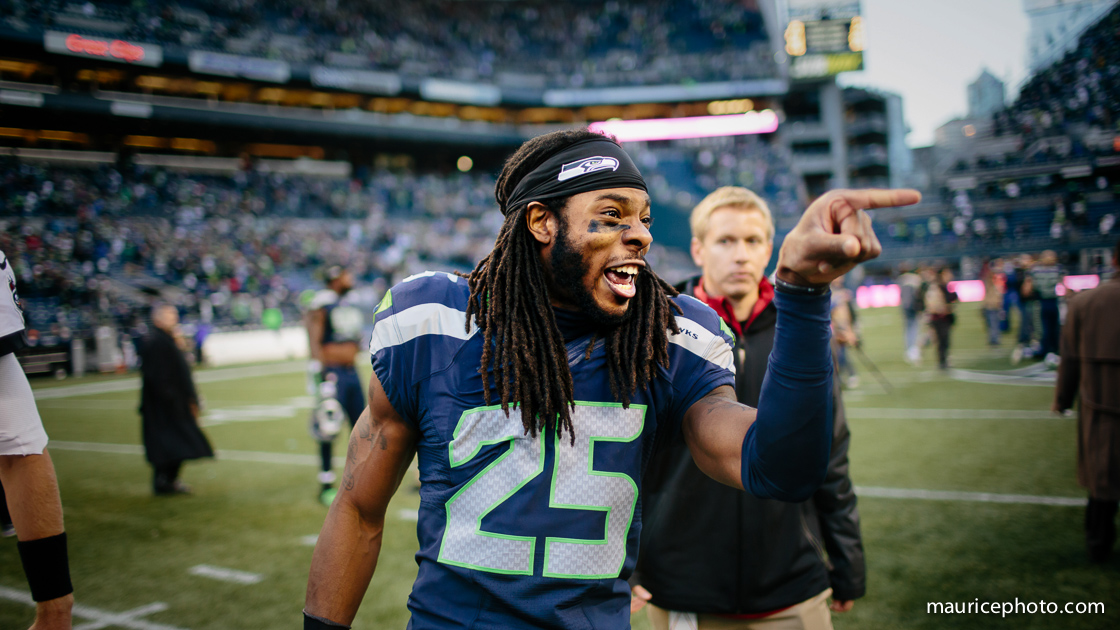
(681,170)
(1081,90)
(616,42)
(93,246)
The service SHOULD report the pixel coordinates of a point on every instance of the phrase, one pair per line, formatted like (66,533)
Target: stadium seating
(95,246)
(619,42)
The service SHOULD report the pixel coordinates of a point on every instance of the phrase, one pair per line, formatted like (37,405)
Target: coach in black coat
(168,405)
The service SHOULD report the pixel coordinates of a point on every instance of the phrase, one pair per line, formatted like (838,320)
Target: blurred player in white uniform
(28,474)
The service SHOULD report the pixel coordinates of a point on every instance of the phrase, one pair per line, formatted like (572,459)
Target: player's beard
(568,271)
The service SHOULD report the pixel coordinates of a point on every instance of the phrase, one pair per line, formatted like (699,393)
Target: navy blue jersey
(518,531)
(342,322)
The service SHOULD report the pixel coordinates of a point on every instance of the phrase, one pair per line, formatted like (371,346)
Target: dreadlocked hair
(522,343)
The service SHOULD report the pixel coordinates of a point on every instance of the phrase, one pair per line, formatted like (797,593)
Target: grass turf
(129,549)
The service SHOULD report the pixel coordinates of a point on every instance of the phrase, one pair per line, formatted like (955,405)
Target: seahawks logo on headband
(585,166)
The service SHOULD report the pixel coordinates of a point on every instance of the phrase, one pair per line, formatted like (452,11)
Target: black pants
(941,327)
(5,517)
(1100,528)
(1051,325)
(164,476)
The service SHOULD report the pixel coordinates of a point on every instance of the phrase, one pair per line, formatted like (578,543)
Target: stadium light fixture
(765,121)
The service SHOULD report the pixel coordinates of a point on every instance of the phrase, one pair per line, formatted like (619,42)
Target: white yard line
(264,457)
(202,376)
(877,413)
(284,410)
(101,618)
(222,574)
(1022,378)
(313,460)
(977,497)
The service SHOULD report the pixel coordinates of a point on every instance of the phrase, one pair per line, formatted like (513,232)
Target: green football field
(967,494)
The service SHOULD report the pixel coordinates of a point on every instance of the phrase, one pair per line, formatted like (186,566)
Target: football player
(28,474)
(534,391)
(334,330)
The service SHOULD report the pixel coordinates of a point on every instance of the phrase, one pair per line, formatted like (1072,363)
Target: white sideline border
(975,497)
(101,618)
(202,376)
(904,413)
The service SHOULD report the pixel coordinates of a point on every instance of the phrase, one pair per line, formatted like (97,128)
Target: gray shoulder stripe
(704,343)
(422,319)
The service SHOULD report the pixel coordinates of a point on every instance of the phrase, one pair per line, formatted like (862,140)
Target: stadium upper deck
(517,45)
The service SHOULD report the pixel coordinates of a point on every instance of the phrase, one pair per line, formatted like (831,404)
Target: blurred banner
(460,92)
(365,81)
(752,122)
(879,295)
(105,49)
(225,65)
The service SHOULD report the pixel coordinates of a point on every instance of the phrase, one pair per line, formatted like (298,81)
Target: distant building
(846,137)
(1056,25)
(985,95)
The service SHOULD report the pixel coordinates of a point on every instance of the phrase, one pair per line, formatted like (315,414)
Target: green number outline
(552,503)
(478,525)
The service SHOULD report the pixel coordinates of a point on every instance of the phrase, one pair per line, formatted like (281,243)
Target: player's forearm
(343,563)
(315,350)
(33,499)
(786,450)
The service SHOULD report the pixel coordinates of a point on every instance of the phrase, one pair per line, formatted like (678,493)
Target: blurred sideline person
(334,330)
(168,405)
(911,303)
(710,553)
(993,301)
(939,304)
(28,474)
(845,332)
(533,391)
(1090,370)
(1047,275)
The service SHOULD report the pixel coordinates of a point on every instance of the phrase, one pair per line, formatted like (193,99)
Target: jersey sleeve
(12,335)
(701,356)
(417,328)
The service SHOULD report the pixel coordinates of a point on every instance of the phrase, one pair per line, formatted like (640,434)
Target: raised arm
(381,448)
(781,450)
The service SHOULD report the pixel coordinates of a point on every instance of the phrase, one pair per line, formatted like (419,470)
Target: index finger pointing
(881,198)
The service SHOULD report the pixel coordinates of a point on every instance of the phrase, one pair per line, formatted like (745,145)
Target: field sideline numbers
(574,480)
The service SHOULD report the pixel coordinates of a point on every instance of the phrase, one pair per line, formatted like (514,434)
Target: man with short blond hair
(712,557)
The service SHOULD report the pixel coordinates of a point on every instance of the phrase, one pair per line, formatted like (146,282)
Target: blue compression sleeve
(785,451)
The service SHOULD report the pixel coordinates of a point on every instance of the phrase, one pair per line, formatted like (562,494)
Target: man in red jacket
(712,557)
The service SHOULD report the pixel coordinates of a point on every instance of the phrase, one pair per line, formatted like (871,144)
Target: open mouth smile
(620,279)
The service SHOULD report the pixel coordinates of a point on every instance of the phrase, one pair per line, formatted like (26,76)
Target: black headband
(592,164)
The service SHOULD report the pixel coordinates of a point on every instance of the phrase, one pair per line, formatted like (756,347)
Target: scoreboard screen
(823,38)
